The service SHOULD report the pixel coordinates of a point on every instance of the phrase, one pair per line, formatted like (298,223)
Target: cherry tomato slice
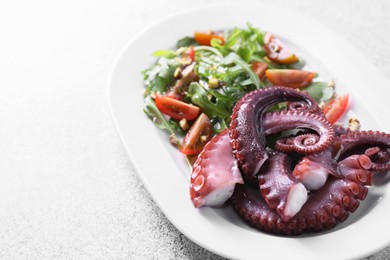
(336,108)
(191,53)
(259,68)
(176,109)
(277,51)
(290,78)
(197,137)
(205,38)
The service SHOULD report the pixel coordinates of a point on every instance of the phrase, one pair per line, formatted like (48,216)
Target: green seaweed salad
(190,91)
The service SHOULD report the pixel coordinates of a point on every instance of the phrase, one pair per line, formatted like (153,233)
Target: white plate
(166,176)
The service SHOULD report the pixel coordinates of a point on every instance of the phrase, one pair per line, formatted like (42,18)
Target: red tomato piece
(336,108)
(191,53)
(176,109)
(277,51)
(198,136)
(259,68)
(290,78)
(205,38)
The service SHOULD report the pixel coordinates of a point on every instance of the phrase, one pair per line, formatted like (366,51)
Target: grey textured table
(67,186)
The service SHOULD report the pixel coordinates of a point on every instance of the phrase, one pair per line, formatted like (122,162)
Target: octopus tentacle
(323,210)
(341,161)
(380,158)
(215,173)
(372,151)
(356,168)
(358,142)
(299,143)
(246,132)
(279,121)
(280,190)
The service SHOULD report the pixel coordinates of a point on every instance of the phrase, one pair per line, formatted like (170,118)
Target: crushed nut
(177,73)
(185,61)
(353,124)
(203,138)
(331,83)
(173,140)
(213,83)
(321,105)
(180,50)
(184,124)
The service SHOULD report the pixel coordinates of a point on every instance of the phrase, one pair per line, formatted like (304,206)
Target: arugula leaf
(185,42)
(213,107)
(320,91)
(159,119)
(210,49)
(234,58)
(230,95)
(159,76)
(244,42)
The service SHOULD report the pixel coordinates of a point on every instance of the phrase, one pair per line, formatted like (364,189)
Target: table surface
(67,186)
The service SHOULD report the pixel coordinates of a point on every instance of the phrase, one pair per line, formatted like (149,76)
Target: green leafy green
(159,76)
(185,42)
(244,42)
(234,58)
(165,53)
(212,107)
(320,91)
(210,49)
(159,119)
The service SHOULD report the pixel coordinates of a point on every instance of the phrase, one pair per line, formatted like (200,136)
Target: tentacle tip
(296,198)
(311,174)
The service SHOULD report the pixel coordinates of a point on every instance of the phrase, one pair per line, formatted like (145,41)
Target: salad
(190,91)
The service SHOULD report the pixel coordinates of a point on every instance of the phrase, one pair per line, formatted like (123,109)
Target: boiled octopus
(307,180)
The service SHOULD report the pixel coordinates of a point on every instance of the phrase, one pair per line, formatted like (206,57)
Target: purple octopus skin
(280,190)
(279,121)
(247,138)
(358,142)
(323,210)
